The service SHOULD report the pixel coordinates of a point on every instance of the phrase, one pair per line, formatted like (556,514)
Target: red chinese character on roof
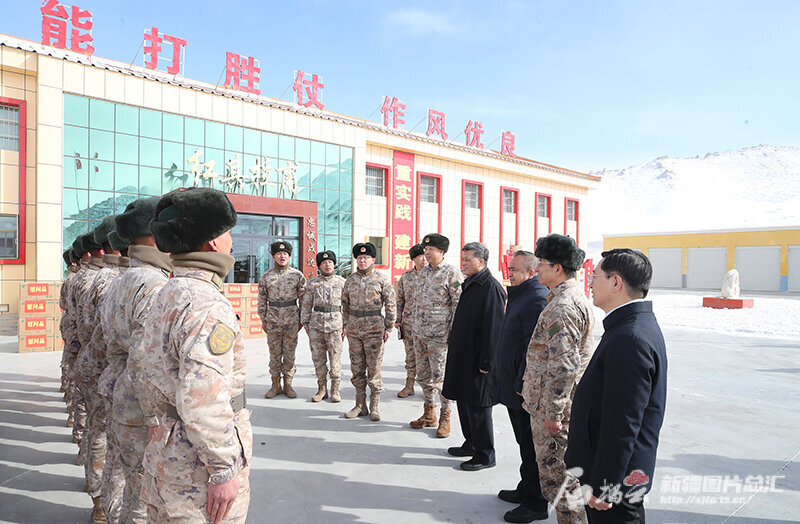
(508,144)
(436,123)
(54,27)
(313,89)
(473,133)
(241,73)
(396,108)
(153,46)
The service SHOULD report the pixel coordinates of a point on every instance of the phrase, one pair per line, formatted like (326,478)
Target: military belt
(327,309)
(366,313)
(237,403)
(285,303)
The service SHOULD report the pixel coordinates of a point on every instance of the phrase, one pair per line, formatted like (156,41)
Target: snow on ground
(769,317)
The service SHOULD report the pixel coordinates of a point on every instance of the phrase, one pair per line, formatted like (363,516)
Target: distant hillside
(752,187)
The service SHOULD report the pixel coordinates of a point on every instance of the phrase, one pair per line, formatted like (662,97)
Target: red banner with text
(401,201)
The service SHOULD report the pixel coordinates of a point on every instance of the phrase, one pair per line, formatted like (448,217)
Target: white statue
(730,284)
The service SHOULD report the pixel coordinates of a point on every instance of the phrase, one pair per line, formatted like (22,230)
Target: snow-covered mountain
(753,187)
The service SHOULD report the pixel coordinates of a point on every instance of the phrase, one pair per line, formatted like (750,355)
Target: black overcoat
(473,341)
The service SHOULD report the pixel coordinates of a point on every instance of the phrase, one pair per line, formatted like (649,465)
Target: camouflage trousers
(77,408)
(94,439)
(431,358)
(113,482)
(179,503)
(366,360)
(411,357)
(282,345)
(325,346)
(129,443)
(555,480)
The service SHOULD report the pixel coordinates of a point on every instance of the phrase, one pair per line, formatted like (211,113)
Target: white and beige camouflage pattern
(324,328)
(281,323)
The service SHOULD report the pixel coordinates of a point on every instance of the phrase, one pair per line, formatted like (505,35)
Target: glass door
(251,240)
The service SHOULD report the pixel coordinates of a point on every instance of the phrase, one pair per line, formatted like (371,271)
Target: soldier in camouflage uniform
(64,324)
(197,463)
(279,291)
(407,290)
(123,316)
(76,406)
(321,314)
(365,293)
(558,353)
(438,296)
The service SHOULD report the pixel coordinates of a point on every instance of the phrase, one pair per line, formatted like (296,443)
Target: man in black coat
(619,403)
(469,373)
(527,297)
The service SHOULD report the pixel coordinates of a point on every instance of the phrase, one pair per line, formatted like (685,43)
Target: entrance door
(252,237)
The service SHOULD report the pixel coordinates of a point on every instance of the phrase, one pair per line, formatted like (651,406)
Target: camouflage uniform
(194,368)
(276,289)
(89,366)
(438,294)
(124,315)
(65,326)
(407,290)
(72,346)
(324,327)
(559,351)
(363,296)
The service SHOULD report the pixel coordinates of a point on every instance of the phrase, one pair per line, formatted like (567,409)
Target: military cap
(416,250)
(116,242)
(186,219)
(436,240)
(366,248)
(77,246)
(560,249)
(280,245)
(89,243)
(325,255)
(68,256)
(134,222)
(101,231)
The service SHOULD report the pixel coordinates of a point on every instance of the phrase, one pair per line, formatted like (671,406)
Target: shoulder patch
(221,339)
(553,329)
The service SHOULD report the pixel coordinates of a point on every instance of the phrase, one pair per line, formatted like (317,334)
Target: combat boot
(322,392)
(360,409)
(276,388)
(428,418)
(374,407)
(98,516)
(287,387)
(444,424)
(408,390)
(335,396)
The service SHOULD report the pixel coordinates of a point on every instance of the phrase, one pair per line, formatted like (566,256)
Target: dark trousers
(478,430)
(529,486)
(622,513)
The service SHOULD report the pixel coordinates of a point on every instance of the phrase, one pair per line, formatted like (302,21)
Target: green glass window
(101,175)
(269,145)
(233,138)
(127,120)
(302,150)
(173,127)
(76,142)
(101,145)
(252,142)
(126,178)
(286,147)
(122,201)
(317,153)
(346,180)
(71,229)
(76,172)
(317,176)
(127,149)
(76,203)
(195,131)
(346,158)
(101,115)
(332,178)
(331,223)
(332,155)
(332,201)
(345,224)
(150,152)
(150,181)
(76,110)
(101,204)
(172,155)
(150,123)
(346,201)
(303,174)
(215,135)
(318,195)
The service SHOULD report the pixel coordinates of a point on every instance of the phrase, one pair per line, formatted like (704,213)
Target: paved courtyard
(732,411)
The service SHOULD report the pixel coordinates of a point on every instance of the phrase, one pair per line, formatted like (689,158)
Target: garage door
(705,267)
(794,268)
(667,266)
(759,268)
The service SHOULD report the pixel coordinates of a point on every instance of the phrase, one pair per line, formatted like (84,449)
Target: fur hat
(88,243)
(116,242)
(325,255)
(560,249)
(280,245)
(367,248)
(436,240)
(416,251)
(103,228)
(185,219)
(135,220)
(77,246)
(68,256)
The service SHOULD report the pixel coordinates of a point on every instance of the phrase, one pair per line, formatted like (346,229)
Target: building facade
(82,136)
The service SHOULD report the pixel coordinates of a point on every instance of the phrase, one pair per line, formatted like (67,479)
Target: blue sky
(582,84)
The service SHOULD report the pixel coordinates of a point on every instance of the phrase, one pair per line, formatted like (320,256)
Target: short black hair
(632,266)
(478,249)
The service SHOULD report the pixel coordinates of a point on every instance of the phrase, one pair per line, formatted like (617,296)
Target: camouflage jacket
(66,324)
(91,360)
(280,285)
(82,300)
(73,344)
(124,320)
(407,290)
(368,292)
(437,300)
(194,365)
(323,291)
(559,351)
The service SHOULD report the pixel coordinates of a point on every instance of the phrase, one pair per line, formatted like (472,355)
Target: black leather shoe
(474,465)
(510,495)
(523,513)
(461,451)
